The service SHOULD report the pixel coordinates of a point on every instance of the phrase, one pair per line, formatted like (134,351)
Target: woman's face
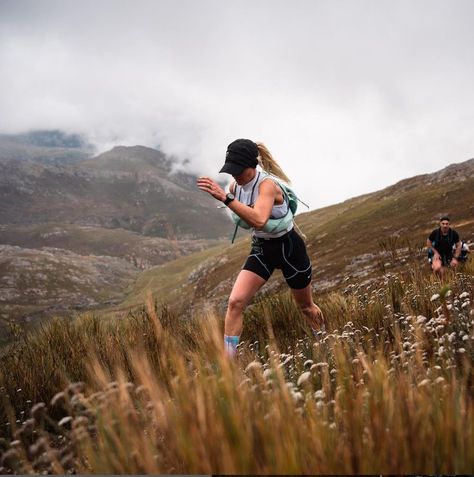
(246,176)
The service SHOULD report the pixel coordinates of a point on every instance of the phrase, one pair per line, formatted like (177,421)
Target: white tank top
(248,193)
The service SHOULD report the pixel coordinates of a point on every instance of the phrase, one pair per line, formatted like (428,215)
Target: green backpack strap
(274,225)
(289,193)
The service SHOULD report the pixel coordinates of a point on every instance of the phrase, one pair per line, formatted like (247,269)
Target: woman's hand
(210,186)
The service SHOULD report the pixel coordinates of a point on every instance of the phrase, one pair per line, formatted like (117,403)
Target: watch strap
(228,199)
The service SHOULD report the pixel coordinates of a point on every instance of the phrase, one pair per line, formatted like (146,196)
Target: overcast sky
(350,96)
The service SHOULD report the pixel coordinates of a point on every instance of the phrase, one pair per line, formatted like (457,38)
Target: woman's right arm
(258,215)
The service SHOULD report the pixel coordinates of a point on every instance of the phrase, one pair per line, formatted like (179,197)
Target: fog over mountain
(77,229)
(350,96)
(131,188)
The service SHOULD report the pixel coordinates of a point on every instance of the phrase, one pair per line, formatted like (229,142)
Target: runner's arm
(256,216)
(457,252)
(436,254)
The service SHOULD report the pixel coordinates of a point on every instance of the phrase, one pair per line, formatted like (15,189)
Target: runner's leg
(245,287)
(437,265)
(312,312)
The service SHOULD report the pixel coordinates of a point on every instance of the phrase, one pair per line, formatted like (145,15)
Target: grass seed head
(58,400)
(319,395)
(304,378)
(75,388)
(65,421)
(38,410)
(253,366)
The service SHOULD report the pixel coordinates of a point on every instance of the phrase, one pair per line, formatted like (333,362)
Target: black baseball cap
(241,154)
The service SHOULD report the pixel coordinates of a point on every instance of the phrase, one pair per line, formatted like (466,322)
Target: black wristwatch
(229,198)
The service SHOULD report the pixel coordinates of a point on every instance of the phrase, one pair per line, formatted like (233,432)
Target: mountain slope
(131,205)
(35,283)
(351,241)
(141,251)
(131,188)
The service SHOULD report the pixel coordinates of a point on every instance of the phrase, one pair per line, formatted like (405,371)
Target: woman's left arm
(256,216)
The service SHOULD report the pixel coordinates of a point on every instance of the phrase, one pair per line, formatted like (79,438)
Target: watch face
(229,198)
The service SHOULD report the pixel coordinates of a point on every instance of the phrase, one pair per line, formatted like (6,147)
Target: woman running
(260,203)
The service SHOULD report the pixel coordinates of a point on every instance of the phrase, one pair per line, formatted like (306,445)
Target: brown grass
(387,389)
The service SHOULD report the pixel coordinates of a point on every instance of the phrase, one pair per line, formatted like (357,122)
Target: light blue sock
(318,333)
(230,345)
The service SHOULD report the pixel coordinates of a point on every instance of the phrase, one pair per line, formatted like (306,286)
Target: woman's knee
(236,303)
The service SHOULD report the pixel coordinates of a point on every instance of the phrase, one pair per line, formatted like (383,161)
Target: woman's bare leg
(244,289)
(312,312)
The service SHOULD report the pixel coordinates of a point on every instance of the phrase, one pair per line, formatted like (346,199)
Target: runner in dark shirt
(445,246)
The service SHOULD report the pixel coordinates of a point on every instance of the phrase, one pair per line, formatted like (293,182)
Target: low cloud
(349,96)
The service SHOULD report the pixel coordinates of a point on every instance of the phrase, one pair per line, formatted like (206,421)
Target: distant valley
(100,220)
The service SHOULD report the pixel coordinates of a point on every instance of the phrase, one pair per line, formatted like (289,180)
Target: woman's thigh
(295,263)
(245,287)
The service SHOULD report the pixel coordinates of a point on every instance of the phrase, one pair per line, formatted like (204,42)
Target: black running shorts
(288,253)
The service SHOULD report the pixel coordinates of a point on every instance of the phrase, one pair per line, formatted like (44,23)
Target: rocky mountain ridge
(128,209)
(459,172)
(134,188)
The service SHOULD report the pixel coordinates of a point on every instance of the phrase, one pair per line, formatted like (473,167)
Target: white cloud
(350,96)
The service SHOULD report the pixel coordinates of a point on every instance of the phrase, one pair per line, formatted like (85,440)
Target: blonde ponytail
(268,164)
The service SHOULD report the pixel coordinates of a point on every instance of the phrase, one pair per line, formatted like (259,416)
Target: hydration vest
(273,225)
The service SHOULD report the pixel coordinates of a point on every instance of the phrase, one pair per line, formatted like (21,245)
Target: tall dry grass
(387,389)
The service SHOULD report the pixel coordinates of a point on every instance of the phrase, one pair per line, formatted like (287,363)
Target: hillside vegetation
(351,242)
(146,388)
(388,388)
(130,207)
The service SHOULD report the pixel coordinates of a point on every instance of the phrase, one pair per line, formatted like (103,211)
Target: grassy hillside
(348,242)
(35,284)
(388,389)
(50,268)
(146,388)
